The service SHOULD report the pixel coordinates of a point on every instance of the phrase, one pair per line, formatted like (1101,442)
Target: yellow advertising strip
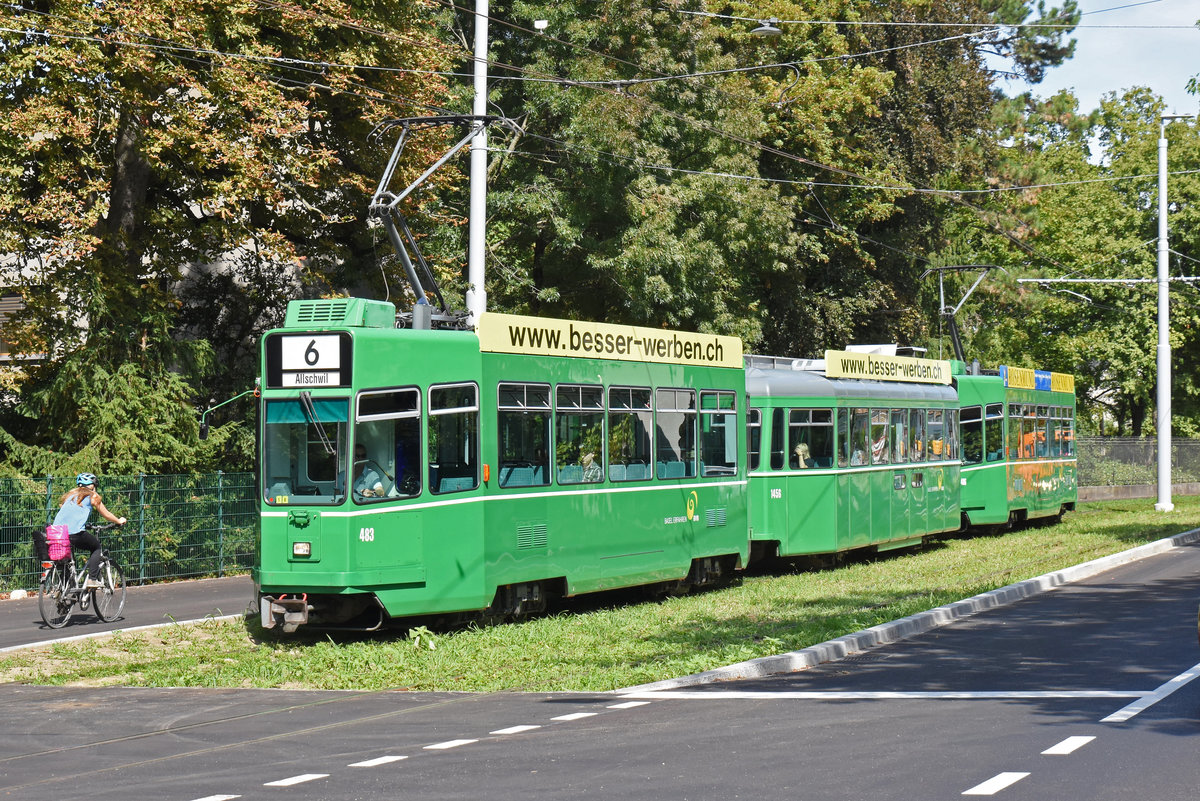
(873,367)
(1062,382)
(537,336)
(1022,378)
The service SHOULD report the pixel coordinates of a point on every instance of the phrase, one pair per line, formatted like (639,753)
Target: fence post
(49,499)
(220,523)
(141,528)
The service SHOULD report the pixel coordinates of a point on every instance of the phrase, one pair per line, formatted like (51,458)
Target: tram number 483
(366,534)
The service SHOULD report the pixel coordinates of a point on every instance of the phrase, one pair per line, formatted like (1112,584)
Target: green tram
(857,450)
(1018,445)
(431,472)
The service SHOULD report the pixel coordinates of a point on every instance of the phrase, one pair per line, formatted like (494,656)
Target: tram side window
(972,435)
(778,440)
(935,435)
(523,420)
(753,438)
(916,435)
(952,446)
(1069,433)
(854,446)
(1014,431)
(1041,432)
(899,435)
(718,434)
(630,421)
(675,434)
(303,450)
(388,425)
(993,432)
(1029,428)
(879,437)
(453,437)
(579,427)
(810,438)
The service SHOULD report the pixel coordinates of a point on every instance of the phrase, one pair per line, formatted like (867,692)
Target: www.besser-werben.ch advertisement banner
(537,336)
(873,367)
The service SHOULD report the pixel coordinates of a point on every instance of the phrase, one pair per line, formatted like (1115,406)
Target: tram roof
(785,382)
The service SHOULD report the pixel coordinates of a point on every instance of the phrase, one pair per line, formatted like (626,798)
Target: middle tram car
(838,463)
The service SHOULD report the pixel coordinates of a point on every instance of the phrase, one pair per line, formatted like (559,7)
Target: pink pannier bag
(58,540)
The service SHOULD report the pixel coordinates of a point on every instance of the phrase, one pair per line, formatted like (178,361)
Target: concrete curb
(919,623)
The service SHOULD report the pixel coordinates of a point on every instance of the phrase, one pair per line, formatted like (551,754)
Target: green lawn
(615,640)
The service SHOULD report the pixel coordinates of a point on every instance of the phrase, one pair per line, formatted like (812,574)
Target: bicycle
(62,588)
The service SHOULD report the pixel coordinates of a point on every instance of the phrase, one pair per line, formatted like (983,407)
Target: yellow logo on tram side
(693,499)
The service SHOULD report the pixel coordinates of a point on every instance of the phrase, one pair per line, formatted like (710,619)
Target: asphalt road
(21,623)
(1078,693)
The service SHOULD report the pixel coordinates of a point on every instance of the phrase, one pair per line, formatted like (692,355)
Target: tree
(173,172)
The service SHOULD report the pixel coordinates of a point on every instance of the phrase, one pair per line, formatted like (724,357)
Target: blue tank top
(74,515)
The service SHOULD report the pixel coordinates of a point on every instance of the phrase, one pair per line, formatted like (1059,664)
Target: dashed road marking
(303,777)
(996,784)
(1068,746)
(576,716)
(628,705)
(448,744)
(1150,699)
(376,762)
(514,729)
(218,798)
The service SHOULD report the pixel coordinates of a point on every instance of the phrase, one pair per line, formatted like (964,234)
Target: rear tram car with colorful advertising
(856,450)
(432,472)
(1018,445)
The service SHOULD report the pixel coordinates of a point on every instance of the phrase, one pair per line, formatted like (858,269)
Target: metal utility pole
(476,291)
(1164,327)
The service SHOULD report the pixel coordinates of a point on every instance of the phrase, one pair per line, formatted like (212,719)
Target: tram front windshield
(304,451)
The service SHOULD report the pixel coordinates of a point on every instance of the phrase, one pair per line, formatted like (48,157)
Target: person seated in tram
(591,471)
(801,457)
(366,482)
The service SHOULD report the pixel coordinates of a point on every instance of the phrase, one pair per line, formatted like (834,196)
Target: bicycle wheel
(55,601)
(110,599)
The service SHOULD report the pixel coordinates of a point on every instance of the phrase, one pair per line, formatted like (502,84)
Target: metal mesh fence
(182,526)
(1125,461)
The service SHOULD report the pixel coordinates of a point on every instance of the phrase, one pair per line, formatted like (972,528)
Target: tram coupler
(288,612)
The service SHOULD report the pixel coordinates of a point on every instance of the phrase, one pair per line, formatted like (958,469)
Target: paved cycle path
(154,604)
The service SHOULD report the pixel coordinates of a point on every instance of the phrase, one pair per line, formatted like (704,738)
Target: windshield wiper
(311,412)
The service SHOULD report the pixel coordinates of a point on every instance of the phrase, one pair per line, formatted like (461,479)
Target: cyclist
(73,512)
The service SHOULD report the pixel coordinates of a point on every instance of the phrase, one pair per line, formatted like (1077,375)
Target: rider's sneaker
(92,584)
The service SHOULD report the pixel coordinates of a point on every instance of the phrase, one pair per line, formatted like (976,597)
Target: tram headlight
(301,549)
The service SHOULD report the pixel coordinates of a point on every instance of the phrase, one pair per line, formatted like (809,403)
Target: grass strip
(612,640)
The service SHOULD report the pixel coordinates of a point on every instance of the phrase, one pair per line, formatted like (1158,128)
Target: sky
(1111,59)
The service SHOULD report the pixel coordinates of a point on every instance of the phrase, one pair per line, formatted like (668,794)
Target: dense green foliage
(171,175)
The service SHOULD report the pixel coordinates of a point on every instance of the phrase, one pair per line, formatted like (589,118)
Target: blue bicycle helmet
(84,479)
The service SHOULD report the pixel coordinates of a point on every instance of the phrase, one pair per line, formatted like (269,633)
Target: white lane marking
(1150,699)
(996,784)
(218,798)
(576,716)
(303,777)
(448,744)
(1068,746)
(514,729)
(628,705)
(376,762)
(880,696)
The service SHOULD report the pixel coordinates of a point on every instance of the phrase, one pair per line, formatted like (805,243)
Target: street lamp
(1164,326)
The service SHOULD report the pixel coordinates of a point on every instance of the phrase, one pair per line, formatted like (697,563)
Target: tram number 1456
(366,534)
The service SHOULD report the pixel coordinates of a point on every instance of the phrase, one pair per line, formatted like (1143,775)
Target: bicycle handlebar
(101,526)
